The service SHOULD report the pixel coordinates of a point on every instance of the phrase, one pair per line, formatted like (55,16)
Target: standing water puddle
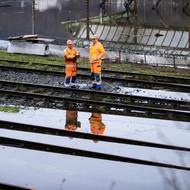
(58,171)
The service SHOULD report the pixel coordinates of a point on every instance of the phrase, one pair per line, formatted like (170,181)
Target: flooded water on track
(70,172)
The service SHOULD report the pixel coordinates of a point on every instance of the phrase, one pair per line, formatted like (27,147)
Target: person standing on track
(96,52)
(70,56)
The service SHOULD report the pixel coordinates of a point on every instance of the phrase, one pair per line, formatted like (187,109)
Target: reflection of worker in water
(70,55)
(96,125)
(72,122)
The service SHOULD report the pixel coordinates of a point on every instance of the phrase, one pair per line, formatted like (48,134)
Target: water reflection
(15,162)
(172,181)
(97,127)
(72,122)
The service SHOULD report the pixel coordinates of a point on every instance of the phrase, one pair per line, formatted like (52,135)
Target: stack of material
(29,44)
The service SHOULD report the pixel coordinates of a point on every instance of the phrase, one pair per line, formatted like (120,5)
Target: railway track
(90,101)
(14,126)
(96,95)
(113,77)
(119,74)
(6,186)
(24,144)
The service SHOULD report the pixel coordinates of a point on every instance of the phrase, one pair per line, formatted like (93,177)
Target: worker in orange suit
(96,52)
(72,122)
(97,127)
(70,56)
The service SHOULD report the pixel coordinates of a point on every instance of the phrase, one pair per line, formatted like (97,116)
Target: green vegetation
(31,58)
(11,109)
(83,62)
(148,69)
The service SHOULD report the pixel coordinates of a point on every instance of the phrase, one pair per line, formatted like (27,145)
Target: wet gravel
(32,78)
(58,81)
(50,80)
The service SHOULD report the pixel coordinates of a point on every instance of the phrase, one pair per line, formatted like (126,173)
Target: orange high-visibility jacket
(96,125)
(95,51)
(70,55)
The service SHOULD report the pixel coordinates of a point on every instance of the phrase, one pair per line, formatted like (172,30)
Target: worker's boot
(98,80)
(73,82)
(94,85)
(98,86)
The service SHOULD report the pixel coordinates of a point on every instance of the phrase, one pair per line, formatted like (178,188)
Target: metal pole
(136,21)
(188,11)
(119,56)
(87,19)
(33,16)
(174,62)
(101,12)
(145,58)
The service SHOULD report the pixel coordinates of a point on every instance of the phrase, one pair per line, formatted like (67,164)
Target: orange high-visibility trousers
(96,67)
(71,72)
(95,76)
(70,69)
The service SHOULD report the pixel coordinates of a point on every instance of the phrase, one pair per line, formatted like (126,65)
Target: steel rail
(120,81)
(6,186)
(100,95)
(23,144)
(80,104)
(122,74)
(81,135)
